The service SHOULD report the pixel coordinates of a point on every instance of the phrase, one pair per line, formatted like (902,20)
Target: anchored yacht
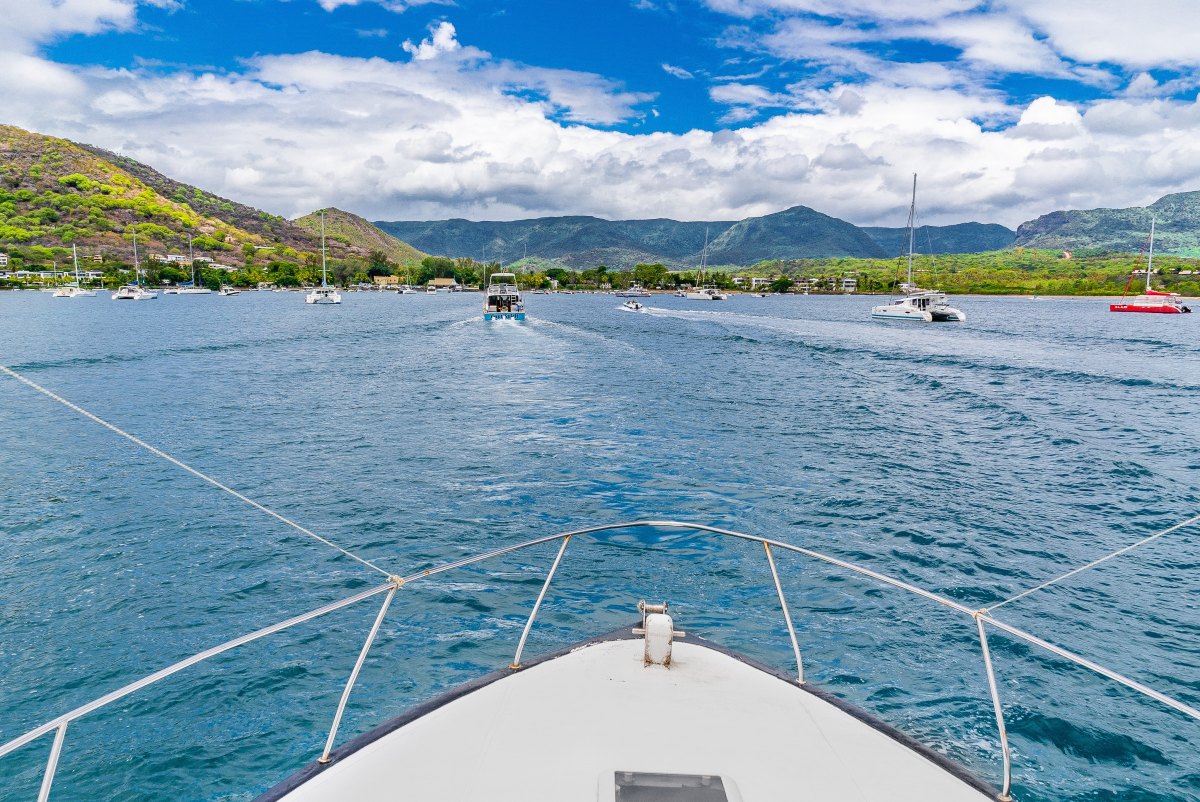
(134,292)
(77,289)
(502,300)
(323,294)
(1151,301)
(918,305)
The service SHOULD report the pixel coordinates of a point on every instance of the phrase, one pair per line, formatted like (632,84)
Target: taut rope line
(1094,563)
(156,452)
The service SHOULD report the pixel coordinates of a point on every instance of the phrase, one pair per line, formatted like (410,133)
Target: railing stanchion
(516,663)
(52,763)
(362,656)
(991,678)
(787,616)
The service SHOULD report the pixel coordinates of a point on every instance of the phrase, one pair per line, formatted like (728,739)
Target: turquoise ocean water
(973,460)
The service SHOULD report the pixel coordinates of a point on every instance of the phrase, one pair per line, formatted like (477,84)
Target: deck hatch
(633,786)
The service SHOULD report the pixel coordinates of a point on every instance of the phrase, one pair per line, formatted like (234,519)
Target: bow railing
(980,620)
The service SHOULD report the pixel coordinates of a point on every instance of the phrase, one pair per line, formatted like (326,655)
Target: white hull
(194,291)
(901,312)
(133,294)
(74,292)
(323,296)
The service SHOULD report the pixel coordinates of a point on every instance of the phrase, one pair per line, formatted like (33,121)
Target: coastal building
(3,260)
(849,284)
(760,281)
(386,281)
(444,284)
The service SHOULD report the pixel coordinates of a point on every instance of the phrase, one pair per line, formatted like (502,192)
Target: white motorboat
(645,713)
(925,306)
(77,289)
(134,292)
(324,294)
(636,291)
(406,290)
(431,290)
(228,290)
(633,306)
(502,299)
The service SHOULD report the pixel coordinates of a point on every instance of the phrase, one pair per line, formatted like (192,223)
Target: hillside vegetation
(352,230)
(1177,228)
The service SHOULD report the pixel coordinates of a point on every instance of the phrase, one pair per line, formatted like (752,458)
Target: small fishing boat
(502,300)
(917,305)
(1151,301)
(633,306)
(324,294)
(228,290)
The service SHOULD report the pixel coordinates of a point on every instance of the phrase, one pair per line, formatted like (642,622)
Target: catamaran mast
(75,256)
(703,259)
(1150,259)
(912,232)
(137,270)
(323,282)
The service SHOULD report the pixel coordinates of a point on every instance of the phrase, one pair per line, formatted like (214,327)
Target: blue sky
(693,109)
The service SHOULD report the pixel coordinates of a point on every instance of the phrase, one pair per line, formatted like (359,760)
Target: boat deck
(569,729)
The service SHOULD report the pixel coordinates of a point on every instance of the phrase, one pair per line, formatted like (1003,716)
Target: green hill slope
(352,230)
(1177,230)
(957,238)
(796,233)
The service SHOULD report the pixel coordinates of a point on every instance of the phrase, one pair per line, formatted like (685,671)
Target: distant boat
(228,290)
(1153,301)
(502,300)
(633,306)
(76,290)
(134,292)
(917,305)
(323,294)
(705,293)
(636,291)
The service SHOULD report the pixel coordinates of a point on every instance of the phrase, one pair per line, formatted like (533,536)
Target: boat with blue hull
(503,300)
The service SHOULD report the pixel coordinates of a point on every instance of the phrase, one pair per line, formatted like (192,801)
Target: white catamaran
(75,290)
(924,306)
(323,294)
(135,291)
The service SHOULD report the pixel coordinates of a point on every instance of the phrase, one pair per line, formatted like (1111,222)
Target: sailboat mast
(323,281)
(912,231)
(703,259)
(1150,259)
(75,256)
(192,260)
(137,270)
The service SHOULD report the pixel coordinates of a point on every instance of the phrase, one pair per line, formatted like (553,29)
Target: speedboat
(633,306)
(918,305)
(502,299)
(132,292)
(1150,301)
(228,290)
(645,712)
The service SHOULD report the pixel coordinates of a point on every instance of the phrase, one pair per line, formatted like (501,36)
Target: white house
(3,260)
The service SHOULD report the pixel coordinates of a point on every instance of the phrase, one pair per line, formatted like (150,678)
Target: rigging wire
(158,453)
(1094,563)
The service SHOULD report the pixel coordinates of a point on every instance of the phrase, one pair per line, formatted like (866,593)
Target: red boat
(1153,301)
(1163,303)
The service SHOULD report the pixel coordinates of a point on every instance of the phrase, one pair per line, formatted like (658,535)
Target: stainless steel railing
(980,618)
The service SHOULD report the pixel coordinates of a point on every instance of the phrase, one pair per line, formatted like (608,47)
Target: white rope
(156,452)
(1094,563)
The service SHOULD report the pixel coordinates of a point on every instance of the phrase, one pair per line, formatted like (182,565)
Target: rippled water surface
(973,460)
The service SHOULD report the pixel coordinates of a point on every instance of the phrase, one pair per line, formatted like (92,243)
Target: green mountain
(54,192)
(796,233)
(958,238)
(583,242)
(1177,228)
(578,242)
(355,232)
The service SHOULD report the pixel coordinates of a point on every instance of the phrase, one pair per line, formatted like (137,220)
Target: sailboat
(134,292)
(704,292)
(323,294)
(1153,301)
(917,304)
(193,289)
(76,290)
